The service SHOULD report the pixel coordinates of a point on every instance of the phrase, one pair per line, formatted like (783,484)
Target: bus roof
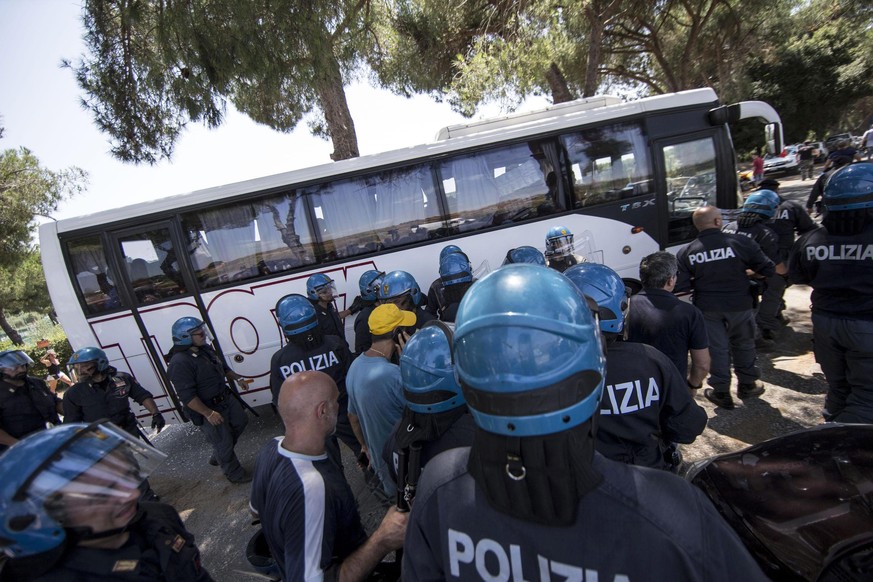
(491,131)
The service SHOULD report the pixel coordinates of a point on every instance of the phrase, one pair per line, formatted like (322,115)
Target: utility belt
(220,399)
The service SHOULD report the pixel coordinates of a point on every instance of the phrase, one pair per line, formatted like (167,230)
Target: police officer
(833,164)
(69,497)
(559,249)
(531,497)
(401,289)
(646,407)
(308,348)
(837,262)
(368,284)
(524,254)
(26,403)
(435,416)
(714,267)
(435,300)
(753,222)
(456,276)
(199,376)
(103,392)
(321,290)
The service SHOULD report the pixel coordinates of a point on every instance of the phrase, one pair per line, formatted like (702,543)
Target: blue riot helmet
(849,188)
(606,289)
(295,314)
(397,284)
(429,384)
(763,202)
(525,254)
(527,353)
(11,359)
(369,284)
(59,481)
(455,268)
(451,249)
(559,241)
(91,354)
(319,283)
(182,330)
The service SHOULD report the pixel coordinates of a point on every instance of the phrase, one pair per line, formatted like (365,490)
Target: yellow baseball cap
(386,318)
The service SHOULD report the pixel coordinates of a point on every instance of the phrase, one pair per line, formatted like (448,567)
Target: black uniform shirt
(638,524)
(329,321)
(200,374)
(332,357)
(790,217)
(363,337)
(761,233)
(645,402)
(660,319)
(714,266)
(839,269)
(159,548)
(26,409)
(89,401)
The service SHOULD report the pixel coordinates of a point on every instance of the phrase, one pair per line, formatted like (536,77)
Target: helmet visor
(326,292)
(97,472)
(14,359)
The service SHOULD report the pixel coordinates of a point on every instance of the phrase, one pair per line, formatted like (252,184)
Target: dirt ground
(216,511)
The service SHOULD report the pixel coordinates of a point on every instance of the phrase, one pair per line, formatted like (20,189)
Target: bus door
(157,285)
(687,172)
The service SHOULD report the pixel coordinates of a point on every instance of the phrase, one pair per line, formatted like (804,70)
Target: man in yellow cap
(374,387)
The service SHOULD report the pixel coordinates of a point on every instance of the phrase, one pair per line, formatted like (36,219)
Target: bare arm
(359,434)
(781,269)
(7,439)
(211,416)
(700,361)
(149,404)
(387,538)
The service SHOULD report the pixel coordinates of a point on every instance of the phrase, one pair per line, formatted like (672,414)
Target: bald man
(307,510)
(714,268)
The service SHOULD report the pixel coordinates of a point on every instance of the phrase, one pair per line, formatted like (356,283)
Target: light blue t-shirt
(376,398)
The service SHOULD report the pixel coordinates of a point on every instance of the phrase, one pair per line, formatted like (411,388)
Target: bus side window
(691,183)
(608,163)
(94,279)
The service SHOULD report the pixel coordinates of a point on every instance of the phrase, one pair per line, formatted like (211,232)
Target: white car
(785,163)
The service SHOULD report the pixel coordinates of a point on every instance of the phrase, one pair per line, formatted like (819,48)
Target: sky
(40,109)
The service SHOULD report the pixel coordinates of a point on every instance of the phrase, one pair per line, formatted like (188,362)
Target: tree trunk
(558,84)
(332,98)
(595,54)
(9,330)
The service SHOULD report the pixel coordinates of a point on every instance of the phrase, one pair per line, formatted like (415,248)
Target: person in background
(70,501)
(560,254)
(646,407)
(713,267)
(531,496)
(662,320)
(867,143)
(812,203)
(435,299)
(321,291)
(805,155)
(456,275)
(757,168)
(199,376)
(26,403)
(368,284)
(844,149)
(308,511)
(53,367)
(837,262)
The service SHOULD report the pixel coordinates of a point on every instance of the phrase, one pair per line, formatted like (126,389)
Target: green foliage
(153,66)
(26,190)
(57,340)
(23,287)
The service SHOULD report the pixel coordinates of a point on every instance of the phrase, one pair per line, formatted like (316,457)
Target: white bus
(623,177)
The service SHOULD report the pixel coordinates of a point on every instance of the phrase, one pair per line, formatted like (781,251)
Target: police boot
(722,399)
(750,389)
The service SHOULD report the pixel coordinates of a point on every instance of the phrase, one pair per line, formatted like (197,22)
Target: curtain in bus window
(691,183)
(608,163)
(94,279)
(406,208)
(498,187)
(345,212)
(283,233)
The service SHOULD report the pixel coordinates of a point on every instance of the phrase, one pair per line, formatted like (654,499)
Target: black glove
(357,305)
(158,422)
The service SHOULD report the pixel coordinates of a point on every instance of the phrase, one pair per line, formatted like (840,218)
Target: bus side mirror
(773,136)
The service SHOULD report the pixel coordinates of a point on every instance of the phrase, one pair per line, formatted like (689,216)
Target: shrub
(57,339)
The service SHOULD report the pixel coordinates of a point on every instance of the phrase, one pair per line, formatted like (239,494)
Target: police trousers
(224,436)
(771,302)
(844,350)
(731,338)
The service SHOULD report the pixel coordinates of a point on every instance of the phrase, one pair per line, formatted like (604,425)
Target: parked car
(832,141)
(784,163)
